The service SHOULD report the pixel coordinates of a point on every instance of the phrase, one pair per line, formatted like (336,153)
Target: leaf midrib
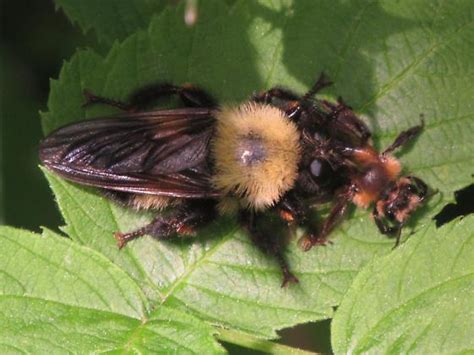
(187,274)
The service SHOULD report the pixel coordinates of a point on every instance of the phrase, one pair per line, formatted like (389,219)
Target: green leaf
(390,60)
(415,300)
(201,276)
(55,269)
(111,19)
(57,296)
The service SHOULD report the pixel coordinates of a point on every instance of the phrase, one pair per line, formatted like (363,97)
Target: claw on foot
(288,277)
(308,241)
(124,238)
(305,243)
(121,239)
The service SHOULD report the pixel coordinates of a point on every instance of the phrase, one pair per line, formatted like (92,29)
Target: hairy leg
(184,221)
(268,244)
(276,92)
(293,210)
(344,122)
(405,137)
(290,102)
(192,96)
(384,228)
(335,216)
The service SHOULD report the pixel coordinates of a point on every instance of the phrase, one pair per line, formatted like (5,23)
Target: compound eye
(320,169)
(316,168)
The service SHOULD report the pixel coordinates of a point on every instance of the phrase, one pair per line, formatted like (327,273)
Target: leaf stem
(248,341)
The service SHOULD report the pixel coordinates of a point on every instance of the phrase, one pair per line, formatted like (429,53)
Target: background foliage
(390,61)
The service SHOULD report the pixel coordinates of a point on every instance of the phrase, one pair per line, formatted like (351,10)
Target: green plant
(390,60)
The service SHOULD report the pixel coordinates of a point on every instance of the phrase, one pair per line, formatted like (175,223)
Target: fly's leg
(287,95)
(322,82)
(269,245)
(405,137)
(294,211)
(343,121)
(335,216)
(141,99)
(267,97)
(291,103)
(191,95)
(184,222)
(384,228)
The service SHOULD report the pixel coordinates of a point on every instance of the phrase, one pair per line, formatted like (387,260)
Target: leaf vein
(385,89)
(398,307)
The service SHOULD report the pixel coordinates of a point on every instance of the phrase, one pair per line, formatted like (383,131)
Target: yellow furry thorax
(256,152)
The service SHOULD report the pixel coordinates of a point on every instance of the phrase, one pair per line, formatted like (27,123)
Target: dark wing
(157,152)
